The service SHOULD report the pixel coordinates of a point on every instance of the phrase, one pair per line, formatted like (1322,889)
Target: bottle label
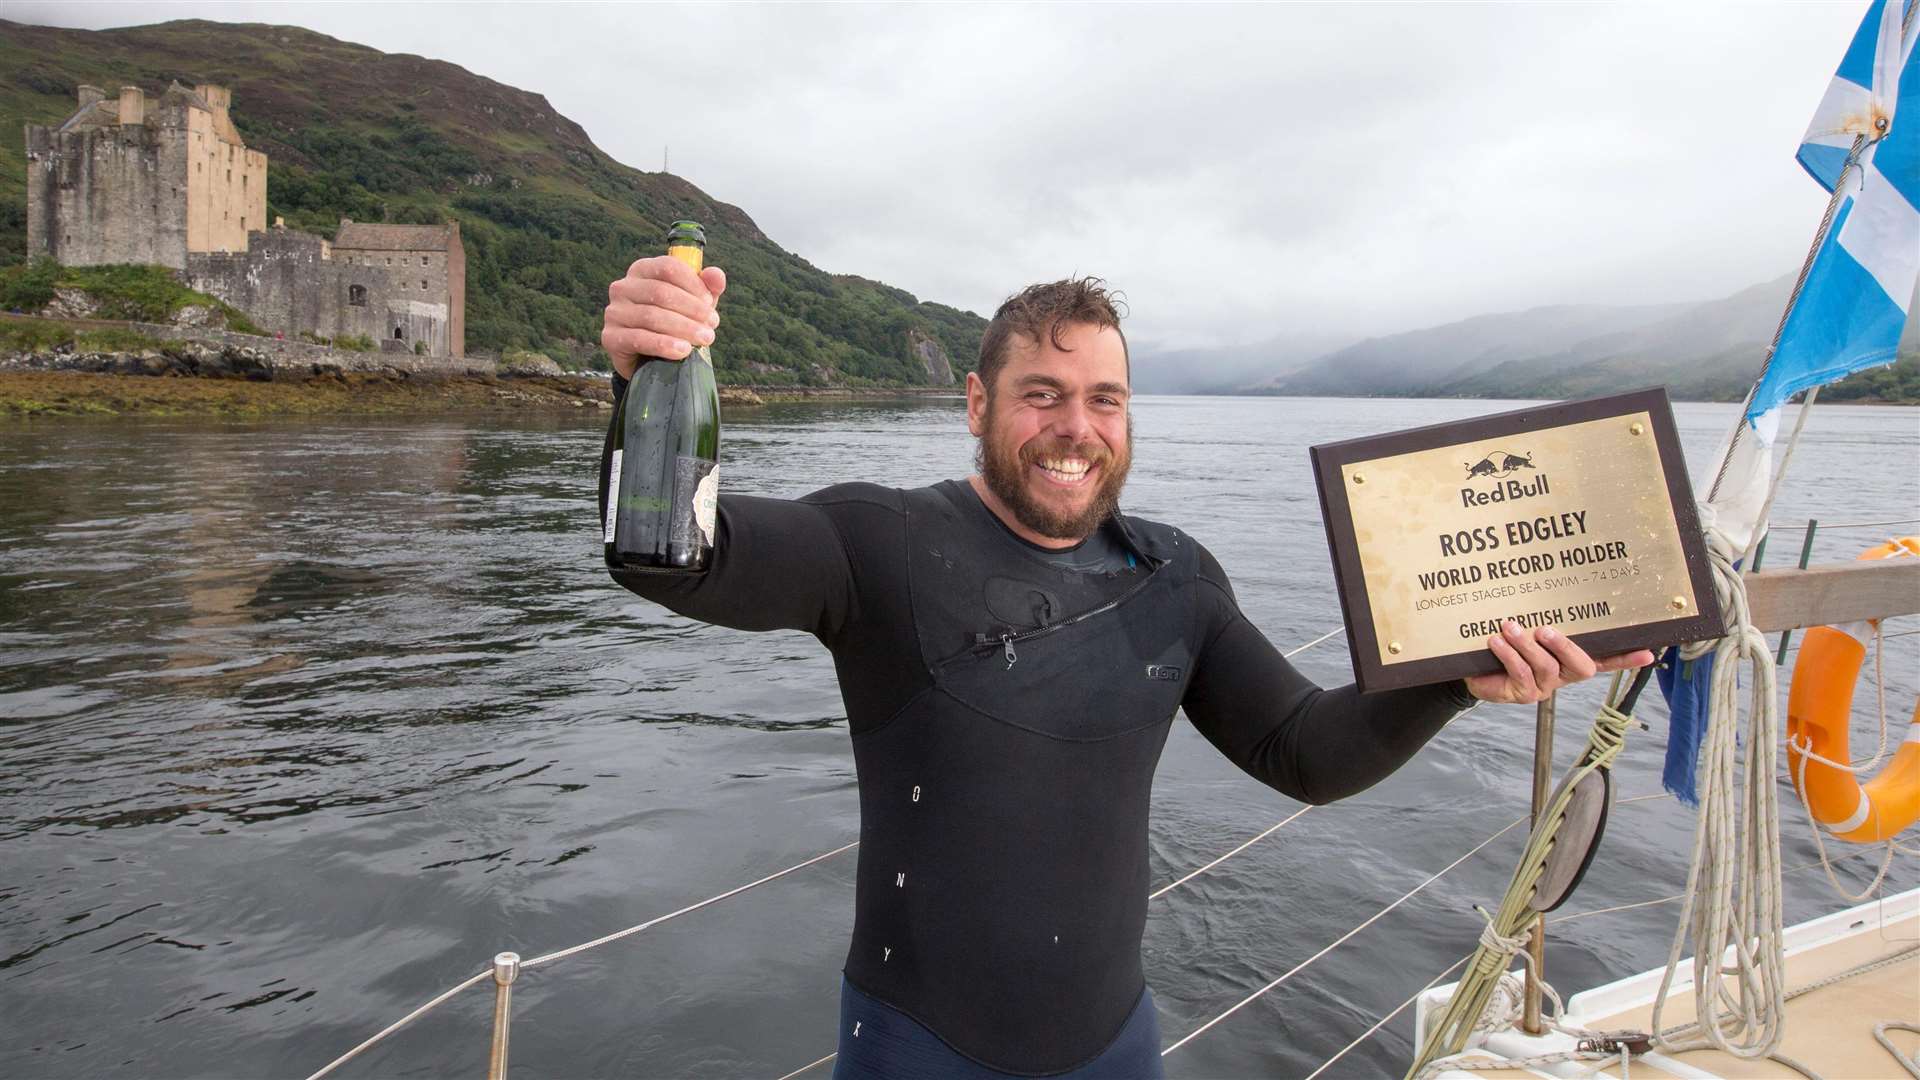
(613,495)
(694,484)
(706,503)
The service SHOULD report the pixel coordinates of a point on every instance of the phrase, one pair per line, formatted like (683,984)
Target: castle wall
(421,300)
(107,195)
(417,320)
(285,282)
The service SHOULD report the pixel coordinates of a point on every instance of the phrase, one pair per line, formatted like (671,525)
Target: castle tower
(135,179)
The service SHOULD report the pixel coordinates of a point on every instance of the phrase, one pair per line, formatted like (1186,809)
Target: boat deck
(1829,1029)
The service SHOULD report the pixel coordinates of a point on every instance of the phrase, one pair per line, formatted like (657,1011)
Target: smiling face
(1055,433)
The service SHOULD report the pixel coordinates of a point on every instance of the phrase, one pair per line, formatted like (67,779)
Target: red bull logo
(1499,467)
(1499,464)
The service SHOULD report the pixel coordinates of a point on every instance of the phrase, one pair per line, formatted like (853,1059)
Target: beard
(1004,468)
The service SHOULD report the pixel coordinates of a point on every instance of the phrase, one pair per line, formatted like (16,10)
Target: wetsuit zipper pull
(1007,640)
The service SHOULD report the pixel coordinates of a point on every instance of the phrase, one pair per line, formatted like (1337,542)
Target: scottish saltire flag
(1851,311)
(1847,317)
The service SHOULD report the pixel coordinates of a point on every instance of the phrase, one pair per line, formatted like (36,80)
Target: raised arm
(778,564)
(1311,744)
(1320,745)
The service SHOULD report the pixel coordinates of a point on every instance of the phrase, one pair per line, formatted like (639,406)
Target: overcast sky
(1238,171)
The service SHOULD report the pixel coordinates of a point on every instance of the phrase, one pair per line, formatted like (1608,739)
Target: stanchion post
(506,968)
(1542,776)
(1806,552)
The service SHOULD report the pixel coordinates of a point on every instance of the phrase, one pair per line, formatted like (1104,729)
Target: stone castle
(169,181)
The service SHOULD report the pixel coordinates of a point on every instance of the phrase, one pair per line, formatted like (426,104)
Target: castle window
(389,260)
(357,295)
(423,284)
(423,262)
(399,334)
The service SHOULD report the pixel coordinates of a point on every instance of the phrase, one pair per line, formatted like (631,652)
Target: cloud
(1239,171)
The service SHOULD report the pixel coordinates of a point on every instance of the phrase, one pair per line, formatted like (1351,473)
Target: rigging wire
(1342,939)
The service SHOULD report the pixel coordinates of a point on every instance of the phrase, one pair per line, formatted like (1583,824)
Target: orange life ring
(1819,704)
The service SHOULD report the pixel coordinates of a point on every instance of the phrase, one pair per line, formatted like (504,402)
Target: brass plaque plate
(1576,515)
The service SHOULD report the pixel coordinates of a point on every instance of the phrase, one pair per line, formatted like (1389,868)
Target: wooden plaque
(1576,515)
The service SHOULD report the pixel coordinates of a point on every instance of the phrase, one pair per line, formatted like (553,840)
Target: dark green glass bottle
(664,477)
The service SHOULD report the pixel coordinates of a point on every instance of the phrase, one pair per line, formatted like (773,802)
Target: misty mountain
(1226,370)
(1710,350)
(1408,363)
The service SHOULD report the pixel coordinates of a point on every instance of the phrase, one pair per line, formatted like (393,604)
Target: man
(1012,650)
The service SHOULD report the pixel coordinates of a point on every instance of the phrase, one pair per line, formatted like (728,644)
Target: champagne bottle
(664,476)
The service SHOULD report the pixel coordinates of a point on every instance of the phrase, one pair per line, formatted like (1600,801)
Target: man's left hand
(1540,661)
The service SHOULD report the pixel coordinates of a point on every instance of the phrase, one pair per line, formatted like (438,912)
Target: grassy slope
(547,218)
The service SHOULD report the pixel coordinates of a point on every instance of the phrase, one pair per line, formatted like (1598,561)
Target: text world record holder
(1576,515)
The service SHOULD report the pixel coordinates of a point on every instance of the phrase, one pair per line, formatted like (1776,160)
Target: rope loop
(1495,942)
(1732,901)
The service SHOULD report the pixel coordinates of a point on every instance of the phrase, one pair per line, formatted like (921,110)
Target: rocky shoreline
(33,394)
(214,373)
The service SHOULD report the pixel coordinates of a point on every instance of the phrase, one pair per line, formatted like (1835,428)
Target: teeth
(1065,468)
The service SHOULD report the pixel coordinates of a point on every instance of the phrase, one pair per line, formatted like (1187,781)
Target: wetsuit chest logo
(1163,672)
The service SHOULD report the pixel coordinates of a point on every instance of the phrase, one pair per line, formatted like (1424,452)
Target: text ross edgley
(1516,533)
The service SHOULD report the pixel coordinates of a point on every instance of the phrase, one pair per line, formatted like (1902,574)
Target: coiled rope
(1732,898)
(1880,1030)
(1620,1045)
(1506,931)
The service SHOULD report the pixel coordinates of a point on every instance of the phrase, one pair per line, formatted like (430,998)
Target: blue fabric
(1857,65)
(1824,162)
(879,1042)
(1686,684)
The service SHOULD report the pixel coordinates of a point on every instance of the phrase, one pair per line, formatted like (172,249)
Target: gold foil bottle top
(687,242)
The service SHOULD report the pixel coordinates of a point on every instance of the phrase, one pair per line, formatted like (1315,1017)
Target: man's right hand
(660,309)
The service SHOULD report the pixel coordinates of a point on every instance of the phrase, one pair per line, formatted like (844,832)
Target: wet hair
(1044,309)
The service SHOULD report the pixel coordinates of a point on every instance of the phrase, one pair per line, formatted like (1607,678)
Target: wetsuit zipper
(983,642)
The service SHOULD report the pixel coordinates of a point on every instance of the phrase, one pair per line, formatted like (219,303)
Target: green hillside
(547,218)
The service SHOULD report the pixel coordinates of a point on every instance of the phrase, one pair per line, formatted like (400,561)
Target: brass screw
(1638,428)
(1359,479)
(1393,647)
(1678,603)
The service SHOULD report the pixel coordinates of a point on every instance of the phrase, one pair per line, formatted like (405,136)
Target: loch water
(300,723)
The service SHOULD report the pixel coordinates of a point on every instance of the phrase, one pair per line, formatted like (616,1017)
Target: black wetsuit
(1007,714)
